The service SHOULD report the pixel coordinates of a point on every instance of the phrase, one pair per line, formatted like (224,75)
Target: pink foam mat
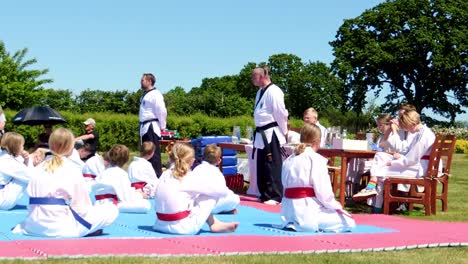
(410,234)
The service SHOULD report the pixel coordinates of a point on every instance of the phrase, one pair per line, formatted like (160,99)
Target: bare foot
(223,227)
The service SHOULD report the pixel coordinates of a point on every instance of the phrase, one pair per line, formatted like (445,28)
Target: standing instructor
(152,118)
(271,121)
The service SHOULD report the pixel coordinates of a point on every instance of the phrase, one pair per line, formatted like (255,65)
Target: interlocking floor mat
(131,234)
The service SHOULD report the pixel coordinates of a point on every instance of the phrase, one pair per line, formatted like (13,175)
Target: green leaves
(418,49)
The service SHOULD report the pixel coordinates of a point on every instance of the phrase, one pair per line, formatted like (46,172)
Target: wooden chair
(443,147)
(447,148)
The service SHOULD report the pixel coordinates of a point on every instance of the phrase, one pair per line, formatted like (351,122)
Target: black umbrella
(38,115)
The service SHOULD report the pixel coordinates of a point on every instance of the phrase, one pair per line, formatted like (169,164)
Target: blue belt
(59,201)
(2,186)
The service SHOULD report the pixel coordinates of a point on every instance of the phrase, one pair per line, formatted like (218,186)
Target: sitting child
(141,173)
(208,171)
(59,202)
(308,202)
(357,166)
(183,203)
(113,185)
(14,174)
(411,163)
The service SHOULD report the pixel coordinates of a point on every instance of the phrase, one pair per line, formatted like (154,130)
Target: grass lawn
(458,208)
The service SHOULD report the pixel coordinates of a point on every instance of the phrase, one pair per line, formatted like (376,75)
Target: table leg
(344,168)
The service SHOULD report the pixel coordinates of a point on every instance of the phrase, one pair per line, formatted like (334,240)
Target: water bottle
(370,140)
(249,132)
(235,134)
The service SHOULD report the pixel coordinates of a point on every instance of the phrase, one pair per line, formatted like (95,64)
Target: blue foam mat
(252,222)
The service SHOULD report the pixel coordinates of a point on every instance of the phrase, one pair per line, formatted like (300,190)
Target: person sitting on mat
(59,202)
(308,202)
(14,169)
(93,168)
(141,173)
(113,185)
(183,203)
(411,163)
(208,171)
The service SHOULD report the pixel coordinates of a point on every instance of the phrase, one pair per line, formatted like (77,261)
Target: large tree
(19,86)
(416,48)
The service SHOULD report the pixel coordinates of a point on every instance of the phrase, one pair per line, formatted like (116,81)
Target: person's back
(309,203)
(59,203)
(140,171)
(114,184)
(208,173)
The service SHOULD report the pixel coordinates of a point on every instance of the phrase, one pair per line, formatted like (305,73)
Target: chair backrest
(442,149)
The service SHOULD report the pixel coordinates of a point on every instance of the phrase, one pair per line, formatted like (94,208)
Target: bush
(461,146)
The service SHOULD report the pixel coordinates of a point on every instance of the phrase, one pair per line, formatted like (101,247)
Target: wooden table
(344,154)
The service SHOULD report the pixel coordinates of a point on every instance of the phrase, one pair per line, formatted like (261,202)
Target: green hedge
(123,129)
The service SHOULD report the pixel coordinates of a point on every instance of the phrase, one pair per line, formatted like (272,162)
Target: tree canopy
(19,85)
(416,48)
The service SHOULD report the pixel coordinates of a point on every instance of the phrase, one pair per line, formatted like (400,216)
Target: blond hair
(182,155)
(407,107)
(212,154)
(147,148)
(13,143)
(408,119)
(384,118)
(310,135)
(118,155)
(61,143)
(311,111)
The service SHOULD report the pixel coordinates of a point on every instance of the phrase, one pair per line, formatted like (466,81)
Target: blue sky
(107,45)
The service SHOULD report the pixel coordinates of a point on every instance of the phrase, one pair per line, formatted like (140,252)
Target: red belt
(138,185)
(107,195)
(173,217)
(426,157)
(299,192)
(87,175)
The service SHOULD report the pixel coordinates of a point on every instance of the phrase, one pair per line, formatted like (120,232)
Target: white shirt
(114,180)
(152,106)
(323,136)
(56,220)
(269,109)
(141,170)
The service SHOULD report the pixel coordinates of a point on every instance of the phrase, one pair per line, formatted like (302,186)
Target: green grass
(458,206)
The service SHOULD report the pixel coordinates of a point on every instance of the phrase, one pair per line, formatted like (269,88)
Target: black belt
(147,121)
(261,130)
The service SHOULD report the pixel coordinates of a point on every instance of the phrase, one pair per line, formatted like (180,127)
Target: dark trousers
(269,172)
(156,159)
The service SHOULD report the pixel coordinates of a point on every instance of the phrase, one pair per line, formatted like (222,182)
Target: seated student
(357,167)
(14,170)
(113,185)
(93,168)
(208,171)
(59,203)
(141,173)
(412,163)
(308,202)
(183,203)
(396,138)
